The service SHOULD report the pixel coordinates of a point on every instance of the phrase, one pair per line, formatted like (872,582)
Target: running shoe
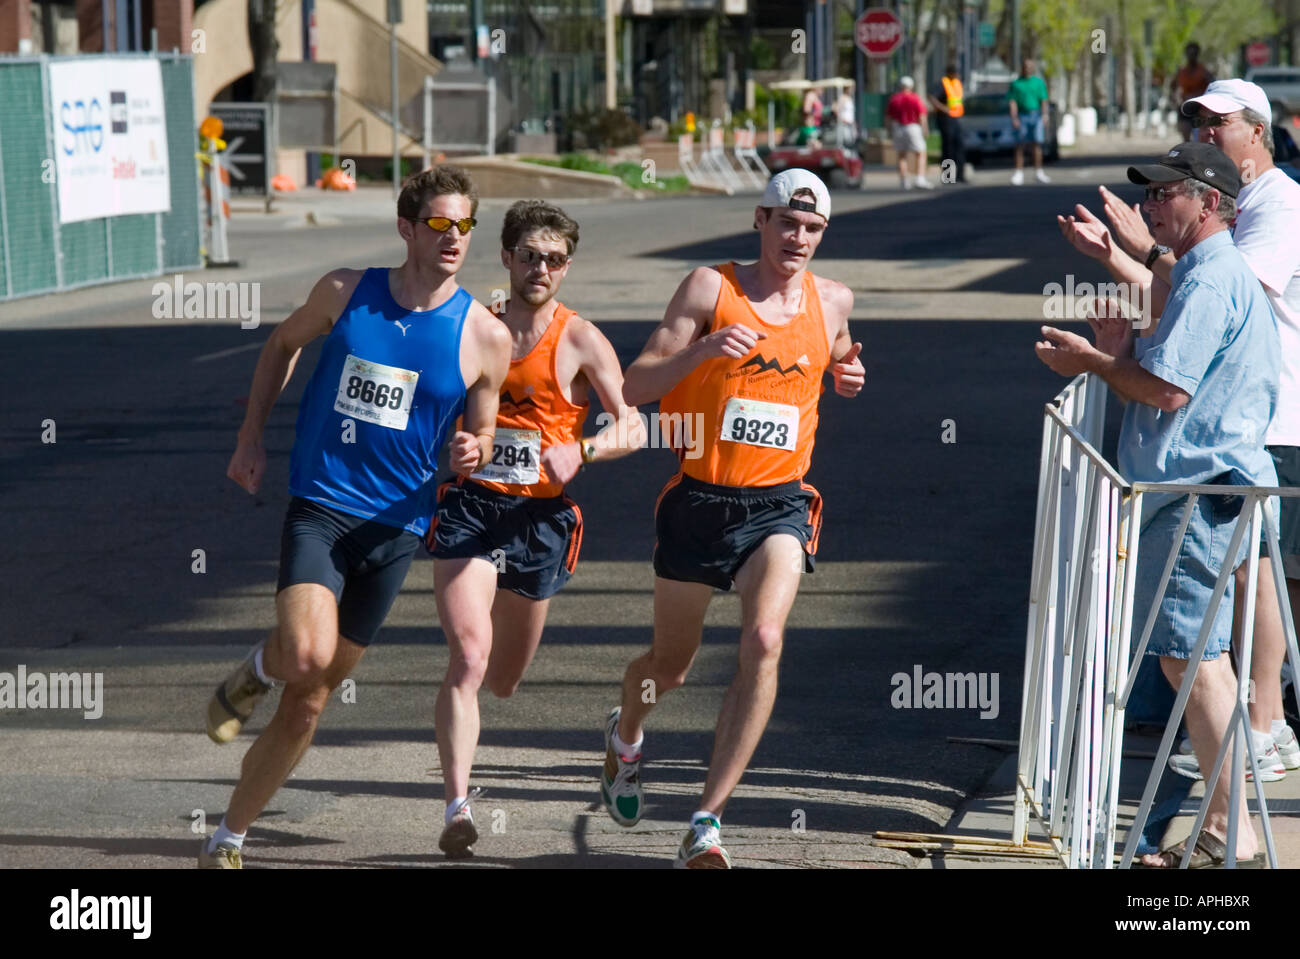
(1288,750)
(459,834)
(702,847)
(225,856)
(234,701)
(1271,768)
(620,781)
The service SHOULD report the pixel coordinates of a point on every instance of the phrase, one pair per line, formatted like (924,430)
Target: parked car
(1282,85)
(987,130)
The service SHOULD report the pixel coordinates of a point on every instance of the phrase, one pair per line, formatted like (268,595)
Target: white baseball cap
(1225,96)
(907,82)
(788,182)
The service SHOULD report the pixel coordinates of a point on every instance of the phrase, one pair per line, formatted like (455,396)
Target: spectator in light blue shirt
(1217,331)
(1200,394)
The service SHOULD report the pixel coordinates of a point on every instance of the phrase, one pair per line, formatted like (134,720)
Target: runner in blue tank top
(407,351)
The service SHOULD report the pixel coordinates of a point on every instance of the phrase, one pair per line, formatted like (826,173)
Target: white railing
(1077,652)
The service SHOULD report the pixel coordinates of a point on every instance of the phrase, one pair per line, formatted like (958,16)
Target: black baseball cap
(1200,161)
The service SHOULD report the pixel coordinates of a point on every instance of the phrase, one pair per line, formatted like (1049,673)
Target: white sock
(705,814)
(257,666)
(452,807)
(223,834)
(1277,728)
(626,752)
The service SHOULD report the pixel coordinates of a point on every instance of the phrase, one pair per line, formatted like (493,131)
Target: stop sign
(1258,54)
(878,32)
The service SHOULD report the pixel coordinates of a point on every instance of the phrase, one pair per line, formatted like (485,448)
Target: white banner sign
(110,137)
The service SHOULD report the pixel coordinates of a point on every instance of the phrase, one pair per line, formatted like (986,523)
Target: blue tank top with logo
(377,409)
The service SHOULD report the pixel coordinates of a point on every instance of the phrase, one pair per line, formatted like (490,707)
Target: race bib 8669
(376,393)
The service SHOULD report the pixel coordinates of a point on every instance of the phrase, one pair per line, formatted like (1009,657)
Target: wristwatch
(1155,253)
(588,451)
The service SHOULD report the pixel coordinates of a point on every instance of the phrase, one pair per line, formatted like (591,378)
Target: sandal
(1210,853)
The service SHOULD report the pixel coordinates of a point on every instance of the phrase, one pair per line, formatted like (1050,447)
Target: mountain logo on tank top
(760,364)
(508,400)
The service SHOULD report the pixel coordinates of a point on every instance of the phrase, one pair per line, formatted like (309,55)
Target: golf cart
(832,154)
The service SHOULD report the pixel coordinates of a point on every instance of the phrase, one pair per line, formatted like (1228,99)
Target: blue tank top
(378,406)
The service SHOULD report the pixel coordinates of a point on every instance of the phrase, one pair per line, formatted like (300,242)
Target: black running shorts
(704,533)
(362,562)
(532,540)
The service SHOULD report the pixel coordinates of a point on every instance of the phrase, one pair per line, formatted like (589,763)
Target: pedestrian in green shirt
(1027,100)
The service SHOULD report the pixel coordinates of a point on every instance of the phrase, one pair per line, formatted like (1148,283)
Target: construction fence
(70,206)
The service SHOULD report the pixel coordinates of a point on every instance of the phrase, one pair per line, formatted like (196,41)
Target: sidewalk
(989,813)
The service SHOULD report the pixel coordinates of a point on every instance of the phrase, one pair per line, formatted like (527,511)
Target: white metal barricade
(1077,654)
(744,148)
(714,159)
(686,160)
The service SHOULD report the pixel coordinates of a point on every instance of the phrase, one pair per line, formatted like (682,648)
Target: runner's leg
(308,627)
(679,610)
(305,638)
(768,582)
(517,623)
(465,590)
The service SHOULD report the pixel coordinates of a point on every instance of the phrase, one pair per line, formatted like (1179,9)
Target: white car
(1282,85)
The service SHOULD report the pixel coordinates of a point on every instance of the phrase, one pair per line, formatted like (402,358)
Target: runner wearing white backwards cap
(742,349)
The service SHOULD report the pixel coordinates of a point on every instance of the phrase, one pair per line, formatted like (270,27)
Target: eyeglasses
(1161,193)
(530,257)
(442,224)
(1213,120)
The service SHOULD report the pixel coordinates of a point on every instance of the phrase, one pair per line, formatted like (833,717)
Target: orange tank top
(533,416)
(751,422)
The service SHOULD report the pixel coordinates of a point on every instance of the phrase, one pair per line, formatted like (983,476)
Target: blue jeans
(1031,128)
(1185,602)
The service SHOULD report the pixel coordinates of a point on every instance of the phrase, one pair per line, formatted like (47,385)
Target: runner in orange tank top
(506,539)
(740,359)
(534,415)
(759,415)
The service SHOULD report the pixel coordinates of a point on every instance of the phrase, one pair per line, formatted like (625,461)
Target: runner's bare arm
(485,360)
(846,369)
(598,364)
(676,347)
(326,302)
(601,368)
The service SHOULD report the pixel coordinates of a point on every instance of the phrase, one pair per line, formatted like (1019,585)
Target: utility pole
(394,18)
(859,68)
(611,87)
(1015,36)
(309,54)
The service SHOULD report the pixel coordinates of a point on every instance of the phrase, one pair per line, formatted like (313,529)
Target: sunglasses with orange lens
(442,224)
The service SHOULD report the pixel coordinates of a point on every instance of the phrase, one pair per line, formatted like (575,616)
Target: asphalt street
(929,485)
